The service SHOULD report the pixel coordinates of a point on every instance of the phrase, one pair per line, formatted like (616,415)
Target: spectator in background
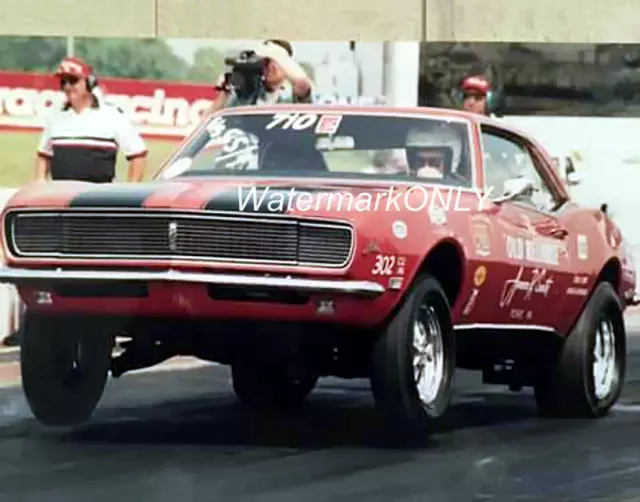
(284,80)
(81,141)
(476,91)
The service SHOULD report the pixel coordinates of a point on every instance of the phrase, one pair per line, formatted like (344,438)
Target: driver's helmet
(438,146)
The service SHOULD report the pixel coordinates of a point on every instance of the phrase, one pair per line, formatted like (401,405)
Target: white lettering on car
(384,265)
(532,250)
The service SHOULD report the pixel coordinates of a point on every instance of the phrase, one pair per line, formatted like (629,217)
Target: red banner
(157,107)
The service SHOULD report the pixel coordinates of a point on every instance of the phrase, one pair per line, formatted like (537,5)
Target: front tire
(64,363)
(587,377)
(413,362)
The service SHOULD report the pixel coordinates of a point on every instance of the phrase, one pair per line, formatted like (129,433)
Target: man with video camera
(266,75)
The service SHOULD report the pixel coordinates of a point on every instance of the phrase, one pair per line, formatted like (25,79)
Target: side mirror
(574,179)
(514,188)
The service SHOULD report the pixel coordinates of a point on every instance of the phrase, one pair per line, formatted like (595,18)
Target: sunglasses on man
(68,79)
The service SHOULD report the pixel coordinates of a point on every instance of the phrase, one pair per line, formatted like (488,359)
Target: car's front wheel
(64,364)
(413,362)
(586,378)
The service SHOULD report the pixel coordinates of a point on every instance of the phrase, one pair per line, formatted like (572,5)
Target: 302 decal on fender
(384,265)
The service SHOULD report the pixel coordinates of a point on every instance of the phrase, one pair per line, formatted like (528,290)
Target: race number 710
(295,121)
(326,124)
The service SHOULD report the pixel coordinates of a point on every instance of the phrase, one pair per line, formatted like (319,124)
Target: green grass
(18,154)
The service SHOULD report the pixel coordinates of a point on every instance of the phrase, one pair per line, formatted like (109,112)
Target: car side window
(506,159)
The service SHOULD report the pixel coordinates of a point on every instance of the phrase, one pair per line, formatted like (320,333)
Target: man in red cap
(81,141)
(476,90)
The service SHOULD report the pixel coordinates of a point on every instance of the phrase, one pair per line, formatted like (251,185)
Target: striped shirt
(84,146)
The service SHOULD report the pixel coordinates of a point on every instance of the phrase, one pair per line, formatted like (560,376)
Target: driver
(433,152)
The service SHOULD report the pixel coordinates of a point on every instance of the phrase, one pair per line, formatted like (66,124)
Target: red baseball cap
(476,83)
(74,66)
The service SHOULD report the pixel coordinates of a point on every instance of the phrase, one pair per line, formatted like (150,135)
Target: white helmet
(441,135)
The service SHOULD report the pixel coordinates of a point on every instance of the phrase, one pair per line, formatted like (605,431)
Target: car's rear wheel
(587,377)
(413,361)
(64,364)
(270,386)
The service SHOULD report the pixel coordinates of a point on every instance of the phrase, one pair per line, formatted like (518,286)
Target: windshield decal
(329,124)
(325,124)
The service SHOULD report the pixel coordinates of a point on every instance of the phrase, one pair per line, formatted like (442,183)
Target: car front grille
(113,235)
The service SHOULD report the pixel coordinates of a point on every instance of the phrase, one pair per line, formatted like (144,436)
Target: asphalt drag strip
(179,435)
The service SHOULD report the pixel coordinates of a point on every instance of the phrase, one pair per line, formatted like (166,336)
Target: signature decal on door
(539,284)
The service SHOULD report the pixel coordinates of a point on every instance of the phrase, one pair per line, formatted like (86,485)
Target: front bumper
(23,276)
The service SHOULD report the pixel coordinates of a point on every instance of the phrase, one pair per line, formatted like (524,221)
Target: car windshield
(328,143)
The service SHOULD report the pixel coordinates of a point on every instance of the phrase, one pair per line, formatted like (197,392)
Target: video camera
(246,75)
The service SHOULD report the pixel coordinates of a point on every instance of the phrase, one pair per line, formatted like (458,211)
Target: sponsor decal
(580,280)
(325,124)
(583,247)
(384,265)
(437,215)
(395,283)
(481,235)
(538,284)
(572,291)
(479,276)
(471,302)
(532,250)
(401,263)
(399,229)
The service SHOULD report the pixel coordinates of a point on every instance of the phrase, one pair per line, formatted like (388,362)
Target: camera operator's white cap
(436,136)
(272,51)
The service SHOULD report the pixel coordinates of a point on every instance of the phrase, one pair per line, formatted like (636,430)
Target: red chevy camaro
(296,242)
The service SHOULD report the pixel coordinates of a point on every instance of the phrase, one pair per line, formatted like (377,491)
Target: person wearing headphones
(81,141)
(284,79)
(476,91)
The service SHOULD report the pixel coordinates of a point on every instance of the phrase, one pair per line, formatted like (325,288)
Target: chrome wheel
(605,365)
(428,355)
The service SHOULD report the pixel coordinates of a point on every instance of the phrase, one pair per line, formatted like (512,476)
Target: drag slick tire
(586,379)
(64,363)
(270,386)
(413,360)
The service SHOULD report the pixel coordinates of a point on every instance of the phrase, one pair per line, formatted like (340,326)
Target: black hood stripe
(259,200)
(108,195)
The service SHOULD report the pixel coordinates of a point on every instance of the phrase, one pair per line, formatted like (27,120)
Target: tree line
(111,57)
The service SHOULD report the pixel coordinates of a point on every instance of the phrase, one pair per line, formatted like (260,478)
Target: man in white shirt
(81,141)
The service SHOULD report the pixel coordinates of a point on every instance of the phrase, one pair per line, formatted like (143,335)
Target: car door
(536,261)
